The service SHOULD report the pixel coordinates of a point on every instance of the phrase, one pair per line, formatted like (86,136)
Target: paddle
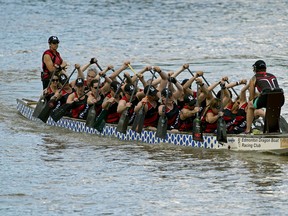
(197,129)
(124,119)
(58,113)
(140,116)
(153,74)
(162,122)
(91,116)
(45,112)
(237,95)
(221,125)
(39,106)
(101,118)
(203,79)
(111,69)
(42,101)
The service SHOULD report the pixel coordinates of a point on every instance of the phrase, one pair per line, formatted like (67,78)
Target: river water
(52,171)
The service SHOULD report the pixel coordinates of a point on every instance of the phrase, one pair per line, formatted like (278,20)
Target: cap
(114,85)
(53,39)
(218,95)
(190,100)
(184,81)
(63,78)
(166,92)
(260,64)
(129,88)
(152,90)
(79,82)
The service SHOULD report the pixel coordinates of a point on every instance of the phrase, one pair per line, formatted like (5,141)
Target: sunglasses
(95,87)
(55,80)
(217,107)
(54,42)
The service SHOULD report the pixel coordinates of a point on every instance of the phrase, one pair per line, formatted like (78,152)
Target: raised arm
(116,73)
(252,88)
(164,78)
(140,75)
(85,66)
(184,67)
(179,92)
(242,96)
(103,74)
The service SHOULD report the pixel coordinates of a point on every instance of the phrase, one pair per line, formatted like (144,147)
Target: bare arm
(242,96)
(186,113)
(179,92)
(191,80)
(164,78)
(184,67)
(92,61)
(210,118)
(80,72)
(140,74)
(252,88)
(49,63)
(122,106)
(116,73)
(70,99)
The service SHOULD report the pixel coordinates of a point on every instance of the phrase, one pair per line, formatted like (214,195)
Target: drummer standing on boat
(51,61)
(265,83)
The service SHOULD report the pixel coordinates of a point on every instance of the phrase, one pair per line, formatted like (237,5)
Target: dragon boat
(276,143)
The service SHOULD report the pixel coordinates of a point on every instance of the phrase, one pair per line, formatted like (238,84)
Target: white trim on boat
(275,143)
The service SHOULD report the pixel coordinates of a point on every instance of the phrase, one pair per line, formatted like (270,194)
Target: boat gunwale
(283,137)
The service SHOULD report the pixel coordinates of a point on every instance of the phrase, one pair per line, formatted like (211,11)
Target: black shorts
(45,83)
(261,100)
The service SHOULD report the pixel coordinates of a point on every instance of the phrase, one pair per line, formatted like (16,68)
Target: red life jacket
(151,116)
(228,115)
(208,127)
(187,124)
(239,121)
(172,116)
(56,59)
(265,81)
(113,116)
(80,108)
(98,104)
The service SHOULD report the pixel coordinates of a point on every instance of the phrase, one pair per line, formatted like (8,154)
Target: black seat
(275,100)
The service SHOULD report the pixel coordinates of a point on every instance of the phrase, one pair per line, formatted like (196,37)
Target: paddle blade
(123,122)
(39,107)
(162,127)
(221,130)
(135,122)
(57,114)
(101,120)
(91,117)
(197,130)
(139,121)
(47,109)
